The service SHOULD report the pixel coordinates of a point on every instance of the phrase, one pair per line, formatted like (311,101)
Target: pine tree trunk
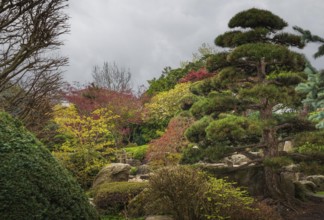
(275,184)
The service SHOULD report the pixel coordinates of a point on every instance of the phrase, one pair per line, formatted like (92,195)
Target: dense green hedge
(33,185)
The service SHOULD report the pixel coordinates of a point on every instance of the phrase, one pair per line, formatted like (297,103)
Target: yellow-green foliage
(94,130)
(189,194)
(90,144)
(310,142)
(225,201)
(137,152)
(165,105)
(33,184)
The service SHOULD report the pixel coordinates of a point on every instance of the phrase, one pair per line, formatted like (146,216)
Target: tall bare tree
(30,72)
(112,77)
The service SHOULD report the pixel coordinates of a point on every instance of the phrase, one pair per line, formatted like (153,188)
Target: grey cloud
(147,35)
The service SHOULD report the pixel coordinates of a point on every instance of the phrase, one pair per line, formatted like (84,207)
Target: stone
(133,162)
(318,180)
(292,168)
(159,217)
(212,165)
(115,172)
(291,172)
(144,177)
(309,185)
(236,159)
(143,169)
(137,178)
(288,147)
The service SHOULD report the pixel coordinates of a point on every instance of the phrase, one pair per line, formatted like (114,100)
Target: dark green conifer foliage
(254,86)
(257,18)
(33,185)
(307,36)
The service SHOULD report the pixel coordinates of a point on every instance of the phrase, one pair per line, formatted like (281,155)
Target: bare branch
(30,73)
(112,77)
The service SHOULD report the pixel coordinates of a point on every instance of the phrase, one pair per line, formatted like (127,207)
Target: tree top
(254,18)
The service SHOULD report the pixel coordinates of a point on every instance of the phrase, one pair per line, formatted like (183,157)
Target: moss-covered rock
(111,198)
(33,185)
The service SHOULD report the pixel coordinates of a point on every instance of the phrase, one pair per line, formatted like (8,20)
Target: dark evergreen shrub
(33,185)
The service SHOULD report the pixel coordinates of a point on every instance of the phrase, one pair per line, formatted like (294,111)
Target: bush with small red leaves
(194,76)
(166,150)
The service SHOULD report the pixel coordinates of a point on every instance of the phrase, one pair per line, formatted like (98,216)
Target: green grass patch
(321,193)
(137,152)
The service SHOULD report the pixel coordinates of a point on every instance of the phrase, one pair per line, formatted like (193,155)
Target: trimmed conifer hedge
(33,185)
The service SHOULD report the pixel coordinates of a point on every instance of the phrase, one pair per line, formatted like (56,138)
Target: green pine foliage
(257,18)
(33,184)
(256,77)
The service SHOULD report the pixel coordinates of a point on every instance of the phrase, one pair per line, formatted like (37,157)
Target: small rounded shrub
(33,185)
(137,152)
(189,194)
(113,197)
(310,142)
(133,171)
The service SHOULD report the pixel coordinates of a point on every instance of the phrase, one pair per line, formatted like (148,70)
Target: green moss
(33,184)
(111,198)
(321,193)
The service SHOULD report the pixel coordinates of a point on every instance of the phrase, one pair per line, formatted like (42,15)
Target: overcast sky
(148,35)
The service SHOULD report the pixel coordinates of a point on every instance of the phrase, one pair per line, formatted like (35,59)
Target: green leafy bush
(137,152)
(310,148)
(188,194)
(310,142)
(111,198)
(133,170)
(33,184)
(311,168)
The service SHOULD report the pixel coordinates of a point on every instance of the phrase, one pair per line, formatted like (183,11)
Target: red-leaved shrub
(165,150)
(194,76)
